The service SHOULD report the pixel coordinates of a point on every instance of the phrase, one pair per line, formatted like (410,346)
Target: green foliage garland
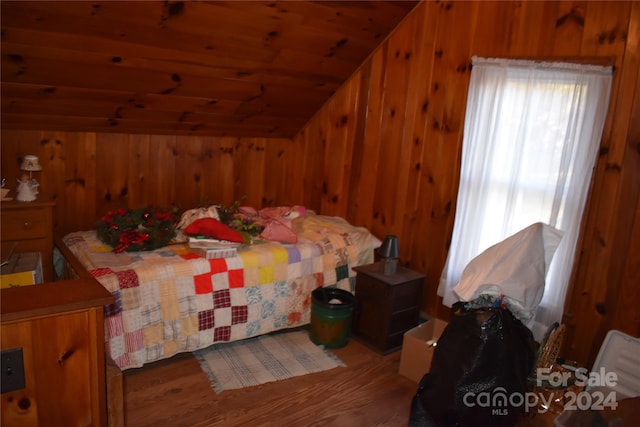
(133,230)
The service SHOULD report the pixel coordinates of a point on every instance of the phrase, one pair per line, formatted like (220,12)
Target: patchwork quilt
(171,300)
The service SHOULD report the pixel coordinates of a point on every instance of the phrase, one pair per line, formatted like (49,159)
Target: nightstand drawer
(407,295)
(19,224)
(28,227)
(372,289)
(404,320)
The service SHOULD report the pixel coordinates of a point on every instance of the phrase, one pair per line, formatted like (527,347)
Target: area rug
(264,359)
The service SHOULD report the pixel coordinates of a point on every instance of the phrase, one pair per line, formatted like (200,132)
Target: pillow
(211,227)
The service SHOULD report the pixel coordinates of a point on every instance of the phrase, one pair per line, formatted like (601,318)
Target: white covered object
(619,354)
(514,269)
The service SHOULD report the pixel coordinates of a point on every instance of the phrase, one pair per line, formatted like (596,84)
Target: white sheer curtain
(531,136)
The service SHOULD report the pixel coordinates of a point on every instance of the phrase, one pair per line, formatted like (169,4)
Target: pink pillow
(212,228)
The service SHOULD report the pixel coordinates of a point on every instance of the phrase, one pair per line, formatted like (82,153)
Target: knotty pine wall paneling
(607,270)
(89,174)
(419,176)
(624,312)
(384,151)
(311,144)
(364,167)
(294,190)
(392,170)
(113,167)
(192,160)
(338,144)
(276,174)
(444,126)
(251,179)
(442,38)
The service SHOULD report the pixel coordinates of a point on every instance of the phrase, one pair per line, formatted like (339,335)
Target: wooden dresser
(58,330)
(28,227)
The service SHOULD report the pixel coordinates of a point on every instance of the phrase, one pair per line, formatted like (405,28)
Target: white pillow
(514,269)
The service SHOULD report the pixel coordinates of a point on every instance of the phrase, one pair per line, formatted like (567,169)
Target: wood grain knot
(24,403)
(65,355)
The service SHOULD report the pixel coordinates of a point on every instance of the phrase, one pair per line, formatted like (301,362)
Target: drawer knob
(28,225)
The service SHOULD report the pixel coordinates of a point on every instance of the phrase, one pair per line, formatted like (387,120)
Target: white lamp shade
(31,163)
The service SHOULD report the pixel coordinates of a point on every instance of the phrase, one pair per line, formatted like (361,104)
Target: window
(531,135)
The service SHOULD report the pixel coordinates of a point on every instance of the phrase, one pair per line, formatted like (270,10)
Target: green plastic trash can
(331,313)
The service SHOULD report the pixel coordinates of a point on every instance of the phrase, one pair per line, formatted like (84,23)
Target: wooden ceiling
(223,68)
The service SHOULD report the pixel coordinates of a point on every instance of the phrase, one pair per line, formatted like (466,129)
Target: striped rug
(264,359)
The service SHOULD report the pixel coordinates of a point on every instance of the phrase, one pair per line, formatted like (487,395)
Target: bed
(172,300)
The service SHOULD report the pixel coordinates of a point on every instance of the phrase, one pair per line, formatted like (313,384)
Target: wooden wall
(90,173)
(384,152)
(393,138)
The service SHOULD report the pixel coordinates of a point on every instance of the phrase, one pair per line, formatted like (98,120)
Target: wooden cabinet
(28,227)
(60,328)
(386,306)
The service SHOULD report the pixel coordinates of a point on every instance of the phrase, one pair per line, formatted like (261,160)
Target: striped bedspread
(171,300)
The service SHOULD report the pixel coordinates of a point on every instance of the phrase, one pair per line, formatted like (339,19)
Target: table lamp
(389,254)
(28,187)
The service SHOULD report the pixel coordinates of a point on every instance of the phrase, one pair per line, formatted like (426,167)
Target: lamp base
(26,193)
(26,198)
(389,266)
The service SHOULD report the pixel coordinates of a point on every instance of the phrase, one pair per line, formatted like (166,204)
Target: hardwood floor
(367,392)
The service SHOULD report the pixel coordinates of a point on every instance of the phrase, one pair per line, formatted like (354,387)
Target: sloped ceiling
(223,68)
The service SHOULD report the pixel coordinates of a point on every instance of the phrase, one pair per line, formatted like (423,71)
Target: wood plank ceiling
(223,68)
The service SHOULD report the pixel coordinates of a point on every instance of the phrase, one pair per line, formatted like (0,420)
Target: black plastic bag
(483,355)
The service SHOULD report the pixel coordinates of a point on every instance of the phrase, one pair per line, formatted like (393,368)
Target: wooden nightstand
(386,306)
(28,227)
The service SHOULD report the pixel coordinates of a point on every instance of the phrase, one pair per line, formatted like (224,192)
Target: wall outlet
(11,370)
